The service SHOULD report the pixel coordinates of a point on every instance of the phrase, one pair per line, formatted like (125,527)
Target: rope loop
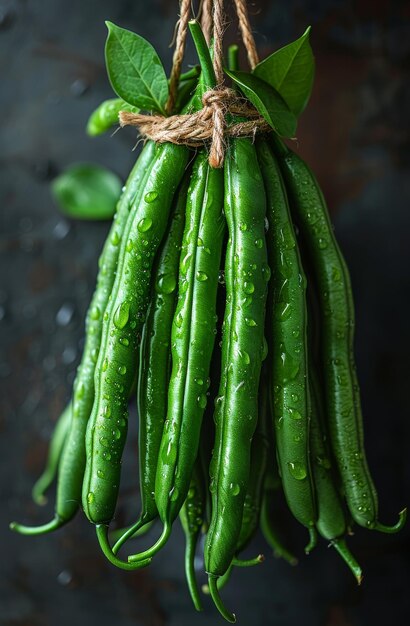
(210,122)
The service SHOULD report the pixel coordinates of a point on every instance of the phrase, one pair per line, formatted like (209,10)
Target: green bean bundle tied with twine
(223,292)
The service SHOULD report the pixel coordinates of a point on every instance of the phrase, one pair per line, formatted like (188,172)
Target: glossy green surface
(342,402)
(287,340)
(246,275)
(122,324)
(193,336)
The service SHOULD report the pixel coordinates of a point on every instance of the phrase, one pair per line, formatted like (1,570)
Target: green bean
(253,499)
(155,353)
(71,468)
(287,323)
(106,115)
(259,460)
(191,516)
(122,323)
(246,274)
(337,318)
(54,454)
(118,533)
(193,329)
(270,531)
(193,335)
(331,519)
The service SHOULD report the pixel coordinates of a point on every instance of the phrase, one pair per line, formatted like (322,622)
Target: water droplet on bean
(145,224)
(297,470)
(115,238)
(121,315)
(202,401)
(151,196)
(235,489)
(201,276)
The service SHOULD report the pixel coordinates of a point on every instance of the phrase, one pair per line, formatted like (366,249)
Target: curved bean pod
(342,393)
(154,367)
(259,460)
(192,517)
(105,116)
(122,323)
(54,454)
(193,336)
(287,334)
(71,468)
(331,518)
(246,275)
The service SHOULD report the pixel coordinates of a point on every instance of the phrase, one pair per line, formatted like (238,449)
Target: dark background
(354,134)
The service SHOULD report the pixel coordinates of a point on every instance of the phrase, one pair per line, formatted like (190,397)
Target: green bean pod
(192,517)
(246,275)
(253,499)
(259,460)
(331,518)
(270,530)
(73,460)
(105,116)
(287,328)
(53,457)
(193,336)
(337,326)
(154,370)
(122,323)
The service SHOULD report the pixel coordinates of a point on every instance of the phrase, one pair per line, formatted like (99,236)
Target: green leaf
(135,70)
(106,115)
(86,191)
(290,71)
(267,101)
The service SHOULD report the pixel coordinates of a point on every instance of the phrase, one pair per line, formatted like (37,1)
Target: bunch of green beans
(218,307)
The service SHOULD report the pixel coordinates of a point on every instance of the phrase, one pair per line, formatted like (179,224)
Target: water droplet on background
(65,314)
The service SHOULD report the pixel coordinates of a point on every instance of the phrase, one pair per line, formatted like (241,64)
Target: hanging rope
(195,128)
(216,154)
(206,19)
(247,35)
(210,122)
(185,10)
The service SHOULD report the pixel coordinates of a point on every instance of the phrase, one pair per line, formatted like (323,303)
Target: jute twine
(193,129)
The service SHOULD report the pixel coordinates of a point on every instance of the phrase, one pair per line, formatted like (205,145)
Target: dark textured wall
(355,135)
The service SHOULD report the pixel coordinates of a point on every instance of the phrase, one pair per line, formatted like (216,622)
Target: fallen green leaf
(87,191)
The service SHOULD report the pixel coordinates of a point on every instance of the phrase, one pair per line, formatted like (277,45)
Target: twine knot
(194,129)
(218,101)
(209,123)
(218,96)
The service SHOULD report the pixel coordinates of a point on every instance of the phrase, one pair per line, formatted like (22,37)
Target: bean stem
(208,74)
